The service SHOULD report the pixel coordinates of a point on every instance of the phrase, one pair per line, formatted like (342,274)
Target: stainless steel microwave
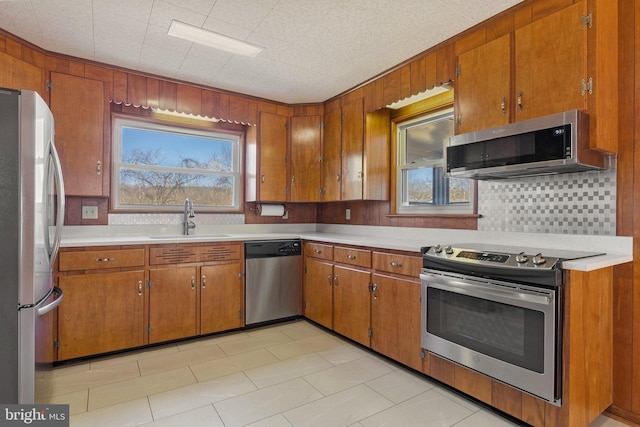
(552,144)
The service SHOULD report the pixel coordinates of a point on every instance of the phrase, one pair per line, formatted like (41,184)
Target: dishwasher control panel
(272,248)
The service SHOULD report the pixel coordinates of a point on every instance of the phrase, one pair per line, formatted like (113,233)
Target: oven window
(505,332)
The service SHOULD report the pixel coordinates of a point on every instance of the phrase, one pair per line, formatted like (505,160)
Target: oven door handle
(512,295)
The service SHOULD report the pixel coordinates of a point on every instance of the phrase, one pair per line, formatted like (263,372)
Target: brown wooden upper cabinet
(272,157)
(77,105)
(546,67)
(356,153)
(305,158)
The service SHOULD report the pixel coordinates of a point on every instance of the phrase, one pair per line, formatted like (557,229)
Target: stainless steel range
(497,310)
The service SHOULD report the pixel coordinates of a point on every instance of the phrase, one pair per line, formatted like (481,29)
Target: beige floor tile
(339,409)
(76,400)
(603,421)
(191,356)
(254,341)
(126,414)
(400,385)
(204,416)
(200,394)
(342,353)
(264,403)
(459,399)
(218,368)
(347,375)
(427,409)
(276,373)
(484,418)
(301,330)
(304,346)
(62,370)
(124,391)
(81,380)
(275,421)
(109,361)
(212,340)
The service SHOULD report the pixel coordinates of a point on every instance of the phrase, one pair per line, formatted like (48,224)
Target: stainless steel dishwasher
(273,271)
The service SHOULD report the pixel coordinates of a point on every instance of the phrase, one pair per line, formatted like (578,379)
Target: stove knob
(521,258)
(437,249)
(448,249)
(538,259)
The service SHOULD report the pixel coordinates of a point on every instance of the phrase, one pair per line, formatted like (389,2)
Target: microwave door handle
(57,168)
(41,311)
(517,296)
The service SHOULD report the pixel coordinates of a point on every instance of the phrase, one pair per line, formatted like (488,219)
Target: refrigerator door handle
(55,245)
(53,304)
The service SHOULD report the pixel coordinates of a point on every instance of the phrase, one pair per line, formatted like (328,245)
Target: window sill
(434,215)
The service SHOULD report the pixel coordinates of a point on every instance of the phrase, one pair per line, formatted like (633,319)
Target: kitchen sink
(191,236)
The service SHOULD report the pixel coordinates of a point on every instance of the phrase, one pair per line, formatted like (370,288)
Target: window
(421,184)
(156,167)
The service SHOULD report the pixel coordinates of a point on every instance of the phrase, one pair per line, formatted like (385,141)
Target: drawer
(318,250)
(223,252)
(173,255)
(399,264)
(95,260)
(358,257)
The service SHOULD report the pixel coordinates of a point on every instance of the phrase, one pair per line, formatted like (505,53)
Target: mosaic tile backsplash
(175,219)
(575,203)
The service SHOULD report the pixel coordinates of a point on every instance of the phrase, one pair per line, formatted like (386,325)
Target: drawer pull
(395,264)
(204,281)
(351,257)
(104,259)
(317,251)
(139,288)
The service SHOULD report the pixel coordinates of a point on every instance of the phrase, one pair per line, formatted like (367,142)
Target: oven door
(504,330)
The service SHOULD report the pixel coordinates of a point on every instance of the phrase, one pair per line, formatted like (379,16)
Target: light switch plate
(89,212)
(348,214)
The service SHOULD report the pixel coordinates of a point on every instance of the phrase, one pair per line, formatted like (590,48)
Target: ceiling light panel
(211,39)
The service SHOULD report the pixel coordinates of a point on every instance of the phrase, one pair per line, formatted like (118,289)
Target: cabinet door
(77,105)
(221,298)
(550,63)
(318,291)
(172,303)
(17,74)
(377,155)
(352,149)
(483,93)
(351,303)
(273,157)
(100,313)
(305,159)
(395,319)
(331,157)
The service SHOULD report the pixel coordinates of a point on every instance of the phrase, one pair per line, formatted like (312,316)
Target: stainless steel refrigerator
(31,218)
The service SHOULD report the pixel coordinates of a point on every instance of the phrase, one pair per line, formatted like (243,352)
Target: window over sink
(421,185)
(157,166)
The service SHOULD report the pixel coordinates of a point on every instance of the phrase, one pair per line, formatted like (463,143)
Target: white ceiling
(314,49)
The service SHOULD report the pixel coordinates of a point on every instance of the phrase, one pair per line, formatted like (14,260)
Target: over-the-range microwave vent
(548,145)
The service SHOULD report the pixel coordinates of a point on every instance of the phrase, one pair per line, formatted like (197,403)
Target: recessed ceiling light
(211,39)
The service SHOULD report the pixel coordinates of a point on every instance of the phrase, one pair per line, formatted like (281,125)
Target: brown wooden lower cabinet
(221,297)
(172,303)
(101,313)
(351,306)
(318,291)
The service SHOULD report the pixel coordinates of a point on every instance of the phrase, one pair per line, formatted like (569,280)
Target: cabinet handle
(337,177)
(139,288)
(293,180)
(351,257)
(395,264)
(104,259)
(335,280)
(503,105)
(520,107)
(374,290)
(262,178)
(329,280)
(204,281)
(317,251)
(193,282)
(98,167)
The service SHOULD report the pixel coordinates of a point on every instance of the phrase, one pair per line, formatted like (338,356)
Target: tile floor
(292,374)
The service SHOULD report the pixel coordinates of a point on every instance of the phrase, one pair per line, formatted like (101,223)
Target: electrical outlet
(89,212)
(348,214)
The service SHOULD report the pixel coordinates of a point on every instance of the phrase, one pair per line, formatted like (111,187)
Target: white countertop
(618,249)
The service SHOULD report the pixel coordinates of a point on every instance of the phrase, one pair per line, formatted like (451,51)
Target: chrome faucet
(188,213)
